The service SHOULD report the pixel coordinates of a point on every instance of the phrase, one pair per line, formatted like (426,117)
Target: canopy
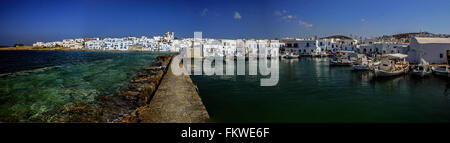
(400,56)
(347,51)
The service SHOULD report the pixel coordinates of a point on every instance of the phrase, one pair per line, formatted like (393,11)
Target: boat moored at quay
(391,65)
(343,58)
(442,71)
(422,70)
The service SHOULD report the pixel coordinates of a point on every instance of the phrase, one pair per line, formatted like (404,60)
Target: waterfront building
(47,44)
(432,50)
(177,45)
(148,44)
(326,45)
(290,46)
(212,48)
(337,43)
(262,47)
(301,46)
(94,45)
(252,48)
(165,47)
(38,44)
(116,44)
(241,49)
(274,49)
(229,47)
(73,43)
(379,48)
(308,47)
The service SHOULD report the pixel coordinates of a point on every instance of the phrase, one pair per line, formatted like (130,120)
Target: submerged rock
(121,106)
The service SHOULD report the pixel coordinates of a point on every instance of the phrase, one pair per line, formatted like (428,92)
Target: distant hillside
(418,34)
(409,35)
(338,37)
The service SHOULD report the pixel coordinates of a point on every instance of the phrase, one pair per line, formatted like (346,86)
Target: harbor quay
(175,100)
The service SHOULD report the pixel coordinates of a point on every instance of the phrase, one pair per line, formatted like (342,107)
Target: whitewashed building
(274,49)
(308,47)
(94,45)
(382,48)
(252,48)
(229,47)
(116,44)
(301,46)
(73,43)
(212,48)
(432,50)
(337,43)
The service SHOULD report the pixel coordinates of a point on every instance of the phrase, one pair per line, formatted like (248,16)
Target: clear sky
(28,21)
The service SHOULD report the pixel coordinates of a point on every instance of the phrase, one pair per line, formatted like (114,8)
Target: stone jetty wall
(175,101)
(112,108)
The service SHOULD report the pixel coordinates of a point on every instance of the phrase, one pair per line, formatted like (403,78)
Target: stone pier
(175,101)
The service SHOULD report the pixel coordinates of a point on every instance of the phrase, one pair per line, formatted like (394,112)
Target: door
(448,57)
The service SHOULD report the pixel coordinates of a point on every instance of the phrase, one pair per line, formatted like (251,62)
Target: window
(295,45)
(441,55)
(320,43)
(307,44)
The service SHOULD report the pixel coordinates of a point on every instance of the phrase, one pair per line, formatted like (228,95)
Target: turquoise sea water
(34,85)
(310,91)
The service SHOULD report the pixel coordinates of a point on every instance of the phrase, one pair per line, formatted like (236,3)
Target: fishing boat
(340,62)
(422,70)
(291,56)
(391,65)
(441,71)
(361,64)
(342,59)
(324,54)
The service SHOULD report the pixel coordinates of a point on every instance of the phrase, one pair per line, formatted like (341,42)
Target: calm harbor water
(310,91)
(36,85)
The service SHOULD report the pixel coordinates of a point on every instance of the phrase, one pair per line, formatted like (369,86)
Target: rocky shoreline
(108,108)
(175,101)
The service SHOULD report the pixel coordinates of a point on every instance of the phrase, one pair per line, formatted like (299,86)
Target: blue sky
(28,21)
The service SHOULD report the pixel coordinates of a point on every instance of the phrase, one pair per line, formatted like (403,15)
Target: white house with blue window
(212,48)
(308,47)
(337,43)
(229,48)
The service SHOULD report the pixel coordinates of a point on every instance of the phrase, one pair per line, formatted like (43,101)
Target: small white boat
(291,56)
(324,54)
(441,71)
(422,70)
(342,59)
(360,67)
(361,64)
(391,65)
(340,62)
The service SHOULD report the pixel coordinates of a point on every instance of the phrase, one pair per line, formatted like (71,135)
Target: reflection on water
(309,90)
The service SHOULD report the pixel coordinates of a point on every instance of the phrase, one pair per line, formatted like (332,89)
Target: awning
(400,56)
